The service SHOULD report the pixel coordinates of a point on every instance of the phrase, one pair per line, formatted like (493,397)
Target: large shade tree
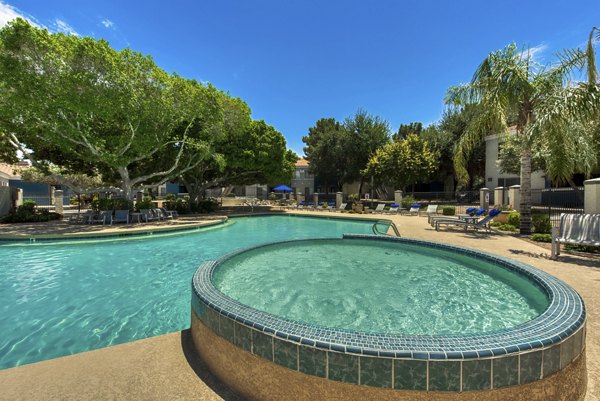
(76,102)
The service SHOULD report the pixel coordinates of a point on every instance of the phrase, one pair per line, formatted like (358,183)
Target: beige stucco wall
(493,172)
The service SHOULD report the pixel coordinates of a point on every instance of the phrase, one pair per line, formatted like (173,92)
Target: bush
(26,213)
(170,197)
(541,237)
(204,206)
(448,210)
(407,201)
(272,196)
(582,248)
(146,203)
(506,227)
(514,219)
(541,223)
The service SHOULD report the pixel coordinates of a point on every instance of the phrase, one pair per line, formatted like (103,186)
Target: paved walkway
(166,368)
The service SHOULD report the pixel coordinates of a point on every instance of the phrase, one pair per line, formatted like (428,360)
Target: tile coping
(564,316)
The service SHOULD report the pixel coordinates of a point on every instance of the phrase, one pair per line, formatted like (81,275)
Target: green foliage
(514,219)
(272,196)
(505,227)
(338,153)
(204,206)
(582,248)
(170,197)
(541,237)
(448,210)
(407,201)
(353,198)
(402,163)
(27,213)
(145,203)
(541,223)
(405,130)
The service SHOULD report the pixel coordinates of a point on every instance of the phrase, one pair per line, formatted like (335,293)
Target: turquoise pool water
(380,287)
(64,298)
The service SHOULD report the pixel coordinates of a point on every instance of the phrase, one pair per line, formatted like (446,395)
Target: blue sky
(294,62)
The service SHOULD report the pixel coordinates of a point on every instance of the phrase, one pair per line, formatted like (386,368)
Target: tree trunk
(525,191)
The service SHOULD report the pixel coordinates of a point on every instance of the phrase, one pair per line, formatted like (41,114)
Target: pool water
(69,297)
(380,287)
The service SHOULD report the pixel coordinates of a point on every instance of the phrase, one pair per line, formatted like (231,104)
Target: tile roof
(302,162)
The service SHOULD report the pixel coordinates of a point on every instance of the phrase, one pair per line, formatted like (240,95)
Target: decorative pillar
(19,201)
(499,196)
(58,201)
(339,199)
(514,197)
(398,197)
(139,196)
(316,199)
(591,200)
(484,198)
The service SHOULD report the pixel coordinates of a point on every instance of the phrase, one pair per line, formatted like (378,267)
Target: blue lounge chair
(471,211)
(483,224)
(393,209)
(120,216)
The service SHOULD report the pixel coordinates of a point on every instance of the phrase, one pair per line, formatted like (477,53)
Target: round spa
(386,318)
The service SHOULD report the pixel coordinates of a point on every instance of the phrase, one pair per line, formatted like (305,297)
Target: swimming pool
(430,320)
(63,298)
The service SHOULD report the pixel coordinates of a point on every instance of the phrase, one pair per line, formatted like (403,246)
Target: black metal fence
(554,201)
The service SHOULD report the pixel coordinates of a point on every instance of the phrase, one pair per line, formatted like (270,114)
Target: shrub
(146,203)
(170,197)
(541,223)
(204,206)
(514,219)
(26,213)
(506,227)
(448,210)
(541,237)
(582,248)
(407,201)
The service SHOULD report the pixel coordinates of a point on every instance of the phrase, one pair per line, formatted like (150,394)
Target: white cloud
(62,26)
(9,13)
(108,23)
(535,52)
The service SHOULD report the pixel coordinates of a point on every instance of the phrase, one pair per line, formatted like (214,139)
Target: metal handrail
(390,223)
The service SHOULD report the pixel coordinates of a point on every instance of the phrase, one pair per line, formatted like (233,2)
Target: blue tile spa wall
(462,374)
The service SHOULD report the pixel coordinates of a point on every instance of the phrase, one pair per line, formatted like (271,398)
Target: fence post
(58,201)
(499,196)
(591,202)
(339,199)
(316,199)
(19,201)
(514,197)
(484,198)
(398,197)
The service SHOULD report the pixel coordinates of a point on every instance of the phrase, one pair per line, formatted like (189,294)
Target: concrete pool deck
(165,367)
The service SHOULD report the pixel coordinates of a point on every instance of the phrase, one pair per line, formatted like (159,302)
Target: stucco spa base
(258,379)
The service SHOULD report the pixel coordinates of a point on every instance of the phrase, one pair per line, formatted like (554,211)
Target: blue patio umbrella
(283,188)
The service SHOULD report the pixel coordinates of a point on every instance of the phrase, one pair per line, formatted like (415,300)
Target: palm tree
(555,118)
(568,123)
(507,85)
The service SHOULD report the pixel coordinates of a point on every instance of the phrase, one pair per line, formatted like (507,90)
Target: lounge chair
(342,207)
(414,209)
(101,217)
(147,215)
(170,214)
(393,209)
(431,210)
(120,216)
(471,211)
(481,224)
(379,209)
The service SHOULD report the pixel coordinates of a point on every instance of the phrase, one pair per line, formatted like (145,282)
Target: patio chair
(101,217)
(471,211)
(340,208)
(431,210)
(147,215)
(483,224)
(170,214)
(379,209)
(120,216)
(414,210)
(393,209)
